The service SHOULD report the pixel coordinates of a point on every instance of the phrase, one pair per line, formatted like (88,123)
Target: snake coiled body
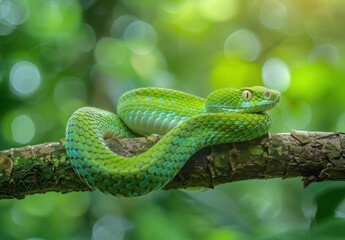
(188,122)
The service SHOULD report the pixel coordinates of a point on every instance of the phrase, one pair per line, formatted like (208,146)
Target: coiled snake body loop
(188,122)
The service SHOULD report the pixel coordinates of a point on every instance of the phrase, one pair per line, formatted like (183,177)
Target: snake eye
(267,95)
(247,95)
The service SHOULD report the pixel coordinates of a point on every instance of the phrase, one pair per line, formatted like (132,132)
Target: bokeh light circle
(88,38)
(120,25)
(276,74)
(325,52)
(12,13)
(273,14)
(244,44)
(110,227)
(320,24)
(140,37)
(25,78)
(23,129)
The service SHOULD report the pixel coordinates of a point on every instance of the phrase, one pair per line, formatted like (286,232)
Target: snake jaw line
(188,122)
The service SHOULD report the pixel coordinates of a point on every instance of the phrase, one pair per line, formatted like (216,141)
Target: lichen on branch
(315,156)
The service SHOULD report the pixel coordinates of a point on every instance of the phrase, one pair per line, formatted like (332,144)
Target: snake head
(248,99)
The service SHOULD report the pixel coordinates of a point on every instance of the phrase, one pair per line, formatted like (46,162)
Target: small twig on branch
(315,156)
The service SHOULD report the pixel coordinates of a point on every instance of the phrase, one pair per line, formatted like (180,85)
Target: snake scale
(187,122)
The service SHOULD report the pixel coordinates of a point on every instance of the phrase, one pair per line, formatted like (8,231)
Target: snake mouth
(260,108)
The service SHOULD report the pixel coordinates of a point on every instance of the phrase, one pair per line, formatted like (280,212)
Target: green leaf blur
(57,56)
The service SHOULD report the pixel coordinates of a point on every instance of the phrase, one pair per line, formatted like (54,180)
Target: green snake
(187,122)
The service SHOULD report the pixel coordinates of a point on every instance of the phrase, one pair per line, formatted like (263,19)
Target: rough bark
(314,156)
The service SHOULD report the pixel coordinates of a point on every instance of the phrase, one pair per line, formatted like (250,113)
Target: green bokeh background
(57,56)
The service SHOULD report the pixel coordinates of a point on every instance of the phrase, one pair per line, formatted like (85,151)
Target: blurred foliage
(56,56)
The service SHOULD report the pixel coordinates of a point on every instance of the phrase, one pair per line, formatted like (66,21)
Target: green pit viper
(187,122)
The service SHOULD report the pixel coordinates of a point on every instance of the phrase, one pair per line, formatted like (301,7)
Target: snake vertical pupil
(247,95)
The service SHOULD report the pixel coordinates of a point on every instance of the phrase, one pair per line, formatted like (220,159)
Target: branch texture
(315,156)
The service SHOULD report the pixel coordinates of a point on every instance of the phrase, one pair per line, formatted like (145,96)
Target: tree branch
(315,156)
